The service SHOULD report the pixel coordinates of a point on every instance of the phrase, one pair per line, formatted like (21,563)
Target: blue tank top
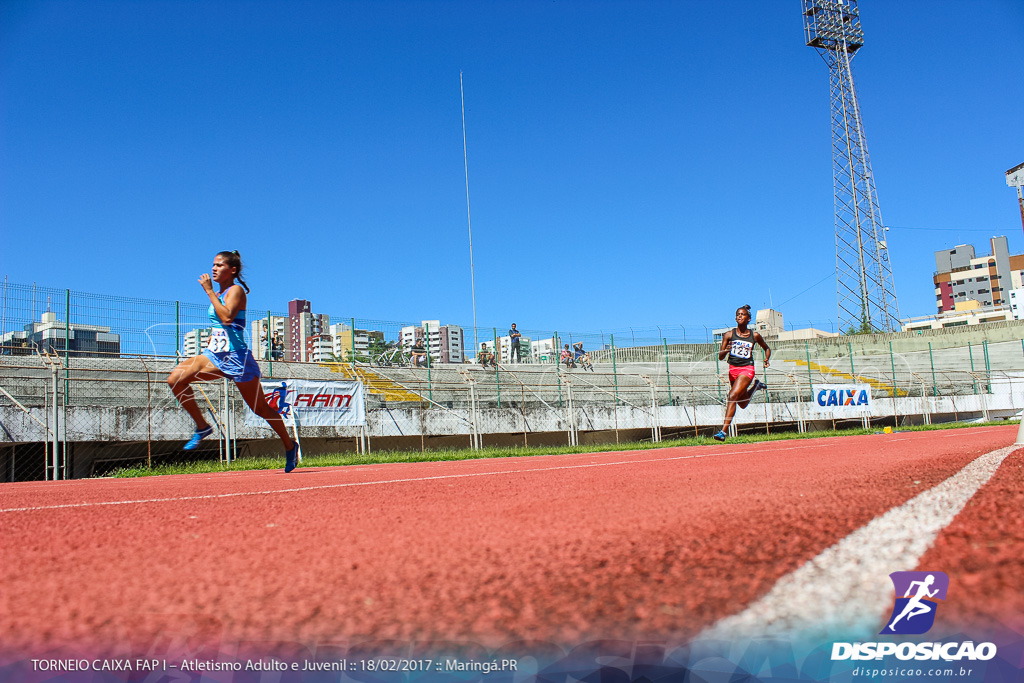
(226,337)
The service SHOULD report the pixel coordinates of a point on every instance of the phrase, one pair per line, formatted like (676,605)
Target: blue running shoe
(720,436)
(193,443)
(758,384)
(291,458)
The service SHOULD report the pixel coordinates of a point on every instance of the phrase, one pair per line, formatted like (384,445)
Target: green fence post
(892,359)
(935,388)
(810,381)
(988,367)
(353,339)
(668,375)
(849,347)
(497,382)
(270,348)
(970,354)
(558,366)
(67,379)
(430,385)
(67,326)
(718,376)
(615,369)
(177,329)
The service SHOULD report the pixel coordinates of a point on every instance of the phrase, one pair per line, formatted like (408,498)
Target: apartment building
(345,338)
(319,349)
(961,276)
(302,324)
(544,350)
(446,343)
(1017,303)
(195,342)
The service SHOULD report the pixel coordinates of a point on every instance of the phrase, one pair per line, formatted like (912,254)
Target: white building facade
(195,342)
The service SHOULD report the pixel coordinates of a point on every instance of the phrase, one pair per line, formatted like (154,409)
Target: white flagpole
(469,222)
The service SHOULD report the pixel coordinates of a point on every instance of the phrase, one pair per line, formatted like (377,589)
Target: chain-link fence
(95,414)
(83,384)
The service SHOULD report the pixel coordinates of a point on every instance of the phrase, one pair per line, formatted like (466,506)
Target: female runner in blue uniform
(738,344)
(227,355)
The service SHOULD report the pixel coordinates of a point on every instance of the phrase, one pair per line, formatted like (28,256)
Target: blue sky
(630,163)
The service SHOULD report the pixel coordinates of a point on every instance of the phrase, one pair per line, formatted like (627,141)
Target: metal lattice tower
(864,285)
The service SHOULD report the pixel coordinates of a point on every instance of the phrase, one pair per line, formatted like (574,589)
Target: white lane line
(846,589)
(717,452)
(528,470)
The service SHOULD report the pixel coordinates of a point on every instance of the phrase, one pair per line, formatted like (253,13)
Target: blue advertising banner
(841,400)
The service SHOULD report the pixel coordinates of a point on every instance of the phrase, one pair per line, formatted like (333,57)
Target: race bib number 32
(219,342)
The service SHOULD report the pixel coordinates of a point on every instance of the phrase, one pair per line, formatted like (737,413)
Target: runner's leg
(252,394)
(736,394)
(196,368)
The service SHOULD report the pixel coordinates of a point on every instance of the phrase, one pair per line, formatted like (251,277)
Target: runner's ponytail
(234,260)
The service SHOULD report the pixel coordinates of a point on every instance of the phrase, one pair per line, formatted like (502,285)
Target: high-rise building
(195,341)
(302,324)
(49,336)
(961,276)
(1016,299)
(446,343)
(319,348)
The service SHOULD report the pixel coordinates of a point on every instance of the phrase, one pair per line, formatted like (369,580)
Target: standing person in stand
(227,355)
(514,335)
(738,345)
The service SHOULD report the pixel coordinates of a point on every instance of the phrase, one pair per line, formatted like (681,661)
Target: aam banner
(315,403)
(842,400)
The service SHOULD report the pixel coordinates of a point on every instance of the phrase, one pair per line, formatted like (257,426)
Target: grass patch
(377,457)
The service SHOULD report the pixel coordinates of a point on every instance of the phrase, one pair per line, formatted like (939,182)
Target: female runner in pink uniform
(738,345)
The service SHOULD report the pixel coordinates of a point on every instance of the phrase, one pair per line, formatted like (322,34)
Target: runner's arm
(767,352)
(234,300)
(724,350)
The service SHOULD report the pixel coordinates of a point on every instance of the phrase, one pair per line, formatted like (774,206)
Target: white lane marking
(716,452)
(846,589)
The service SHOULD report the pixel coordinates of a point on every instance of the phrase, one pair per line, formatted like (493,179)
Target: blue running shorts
(238,366)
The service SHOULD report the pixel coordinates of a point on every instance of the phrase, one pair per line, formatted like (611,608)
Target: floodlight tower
(864,285)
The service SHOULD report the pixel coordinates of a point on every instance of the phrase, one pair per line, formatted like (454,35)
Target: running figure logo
(278,401)
(916,595)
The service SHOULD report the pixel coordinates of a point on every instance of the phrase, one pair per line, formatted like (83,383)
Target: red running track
(635,545)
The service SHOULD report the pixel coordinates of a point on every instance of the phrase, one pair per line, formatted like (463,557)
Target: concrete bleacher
(700,380)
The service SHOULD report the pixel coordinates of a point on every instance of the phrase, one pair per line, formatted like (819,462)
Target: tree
(864,328)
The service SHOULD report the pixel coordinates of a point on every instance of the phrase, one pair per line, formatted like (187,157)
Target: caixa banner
(842,400)
(314,403)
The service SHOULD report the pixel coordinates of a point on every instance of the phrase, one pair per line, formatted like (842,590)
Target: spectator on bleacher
(582,357)
(567,358)
(486,357)
(514,335)
(419,353)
